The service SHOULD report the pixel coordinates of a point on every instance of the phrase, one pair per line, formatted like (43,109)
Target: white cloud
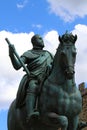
(68,10)
(39,26)
(10,78)
(51,41)
(22,4)
(81,44)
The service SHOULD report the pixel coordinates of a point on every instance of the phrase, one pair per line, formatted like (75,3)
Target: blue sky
(20,20)
(26,15)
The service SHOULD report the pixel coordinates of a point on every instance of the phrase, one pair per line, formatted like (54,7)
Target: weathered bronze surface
(59,100)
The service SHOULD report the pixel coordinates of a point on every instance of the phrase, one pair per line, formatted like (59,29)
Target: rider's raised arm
(15,62)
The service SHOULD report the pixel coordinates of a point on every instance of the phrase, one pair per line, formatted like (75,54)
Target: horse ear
(75,38)
(60,39)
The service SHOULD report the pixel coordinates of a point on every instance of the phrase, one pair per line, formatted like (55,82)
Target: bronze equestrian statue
(59,100)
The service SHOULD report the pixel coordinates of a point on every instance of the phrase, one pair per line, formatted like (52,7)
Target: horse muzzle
(69,73)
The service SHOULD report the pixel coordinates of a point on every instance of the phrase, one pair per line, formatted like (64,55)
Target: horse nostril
(69,73)
(73,72)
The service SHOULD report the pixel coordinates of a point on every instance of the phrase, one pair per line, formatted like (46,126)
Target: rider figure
(38,61)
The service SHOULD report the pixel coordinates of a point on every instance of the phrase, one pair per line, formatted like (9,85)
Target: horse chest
(69,104)
(65,103)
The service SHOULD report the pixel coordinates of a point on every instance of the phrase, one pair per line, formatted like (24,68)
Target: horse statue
(60,101)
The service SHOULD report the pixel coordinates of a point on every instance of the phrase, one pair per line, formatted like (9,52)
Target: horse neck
(57,75)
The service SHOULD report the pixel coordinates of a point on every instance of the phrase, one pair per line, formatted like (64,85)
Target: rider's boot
(30,105)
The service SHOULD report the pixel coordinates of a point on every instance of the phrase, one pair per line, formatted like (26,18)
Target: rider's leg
(31,97)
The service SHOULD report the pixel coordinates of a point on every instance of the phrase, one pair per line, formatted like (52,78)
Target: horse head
(67,54)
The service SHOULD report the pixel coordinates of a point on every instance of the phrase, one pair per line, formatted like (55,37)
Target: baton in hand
(21,62)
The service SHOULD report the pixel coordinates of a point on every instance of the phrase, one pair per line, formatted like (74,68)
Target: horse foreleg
(56,120)
(73,123)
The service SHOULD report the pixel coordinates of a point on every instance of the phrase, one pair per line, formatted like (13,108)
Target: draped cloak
(37,62)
